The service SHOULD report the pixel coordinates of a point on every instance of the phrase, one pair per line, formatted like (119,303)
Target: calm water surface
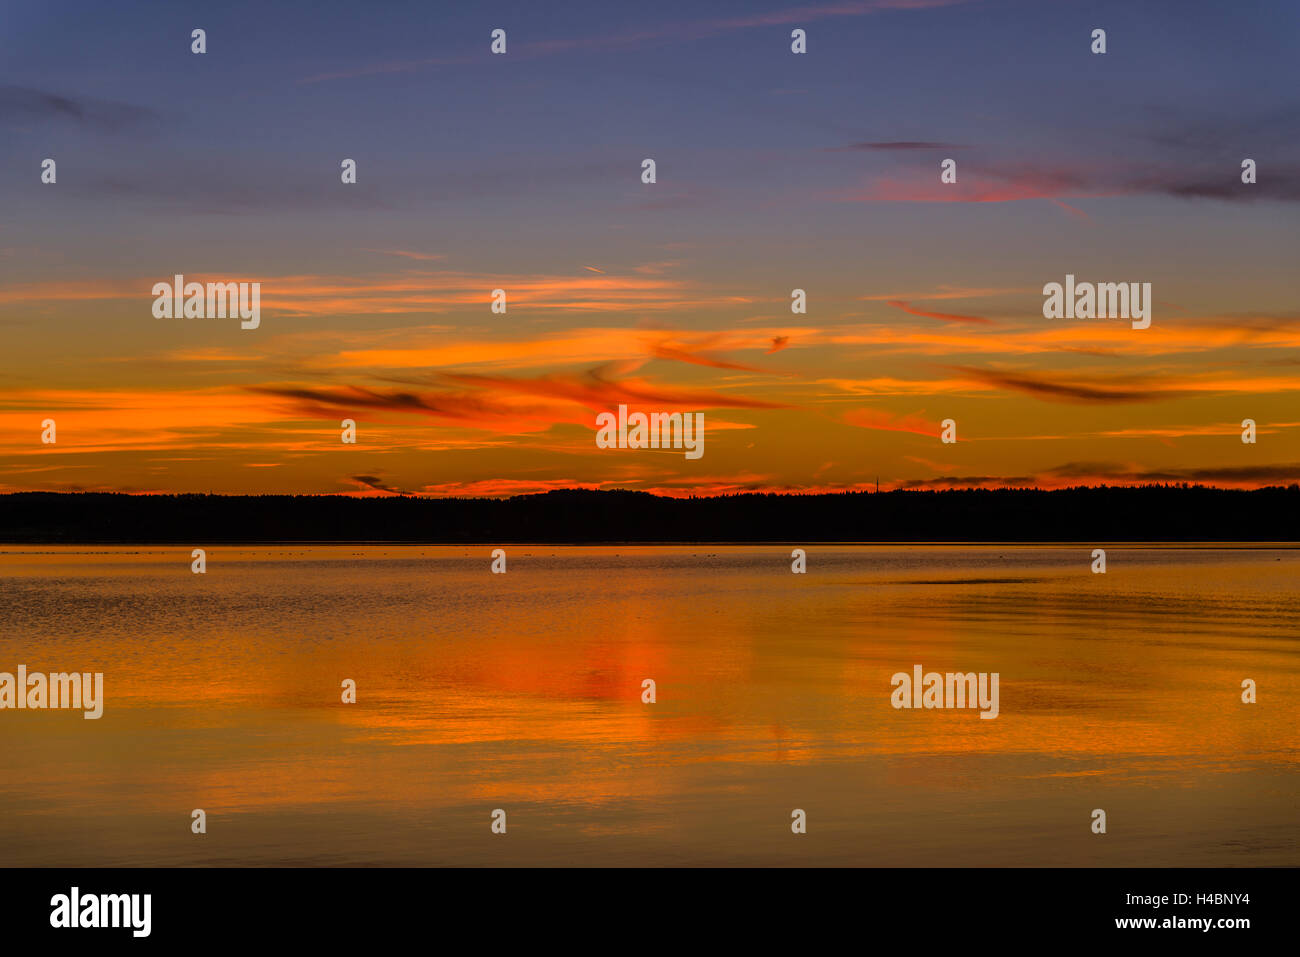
(523,691)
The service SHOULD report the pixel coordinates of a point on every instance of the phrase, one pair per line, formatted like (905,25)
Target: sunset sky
(775,171)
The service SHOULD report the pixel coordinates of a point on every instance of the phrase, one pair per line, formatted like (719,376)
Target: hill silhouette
(1174,513)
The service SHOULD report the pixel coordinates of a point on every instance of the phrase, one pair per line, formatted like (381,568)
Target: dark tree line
(1146,513)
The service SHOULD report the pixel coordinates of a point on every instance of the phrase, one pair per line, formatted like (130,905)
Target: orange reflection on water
(524,690)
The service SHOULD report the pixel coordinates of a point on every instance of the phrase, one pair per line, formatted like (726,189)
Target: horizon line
(659,494)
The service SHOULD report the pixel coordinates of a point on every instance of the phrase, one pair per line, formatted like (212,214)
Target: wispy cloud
(374,483)
(598,390)
(1071,389)
(1128,388)
(1073,474)
(885,422)
(407,254)
(1007,182)
(945,316)
(20,106)
(903,146)
(677,31)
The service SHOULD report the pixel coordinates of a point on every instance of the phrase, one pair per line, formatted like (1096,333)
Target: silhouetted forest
(1146,513)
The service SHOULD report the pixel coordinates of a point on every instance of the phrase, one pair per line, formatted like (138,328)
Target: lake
(523,692)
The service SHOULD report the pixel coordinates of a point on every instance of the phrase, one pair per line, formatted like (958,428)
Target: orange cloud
(386,294)
(406,254)
(946,316)
(883,421)
(596,392)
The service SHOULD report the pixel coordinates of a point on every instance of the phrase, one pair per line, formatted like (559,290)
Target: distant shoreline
(1152,514)
(26,547)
